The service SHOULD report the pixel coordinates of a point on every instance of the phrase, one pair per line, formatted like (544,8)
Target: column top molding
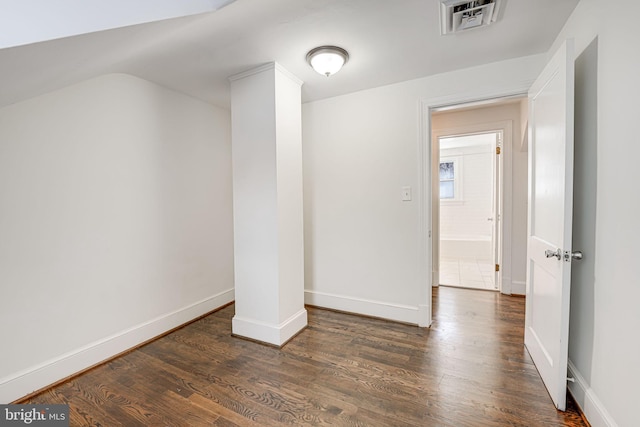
(266,67)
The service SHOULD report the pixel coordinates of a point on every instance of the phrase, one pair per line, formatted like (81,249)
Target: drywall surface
(604,351)
(466,216)
(362,241)
(116,223)
(40,20)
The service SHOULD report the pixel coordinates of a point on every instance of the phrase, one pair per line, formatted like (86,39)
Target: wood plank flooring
(469,369)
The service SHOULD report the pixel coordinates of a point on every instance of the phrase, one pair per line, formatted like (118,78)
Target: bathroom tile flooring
(467,273)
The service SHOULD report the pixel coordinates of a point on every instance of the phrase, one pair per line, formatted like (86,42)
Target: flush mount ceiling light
(327,60)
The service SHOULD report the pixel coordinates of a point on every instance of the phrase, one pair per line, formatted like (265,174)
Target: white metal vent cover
(461,15)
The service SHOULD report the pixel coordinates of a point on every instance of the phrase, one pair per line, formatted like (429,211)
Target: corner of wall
(586,398)
(164,259)
(69,364)
(518,287)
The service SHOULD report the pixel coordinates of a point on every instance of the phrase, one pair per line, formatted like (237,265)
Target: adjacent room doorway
(470,209)
(476,243)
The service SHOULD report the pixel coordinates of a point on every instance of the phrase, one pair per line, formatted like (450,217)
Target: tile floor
(467,273)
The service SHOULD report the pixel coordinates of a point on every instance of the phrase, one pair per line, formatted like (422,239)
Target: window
(450,177)
(448,180)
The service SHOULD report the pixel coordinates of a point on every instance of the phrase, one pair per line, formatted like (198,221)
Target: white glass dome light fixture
(327,60)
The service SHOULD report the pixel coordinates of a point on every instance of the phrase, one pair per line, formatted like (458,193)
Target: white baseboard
(40,376)
(518,288)
(505,285)
(424,321)
(384,310)
(269,333)
(588,401)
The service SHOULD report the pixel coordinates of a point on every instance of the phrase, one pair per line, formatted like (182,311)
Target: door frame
(425,250)
(505,188)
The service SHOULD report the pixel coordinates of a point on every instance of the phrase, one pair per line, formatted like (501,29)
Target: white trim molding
(587,400)
(42,375)
(274,334)
(428,276)
(266,67)
(518,287)
(424,318)
(381,309)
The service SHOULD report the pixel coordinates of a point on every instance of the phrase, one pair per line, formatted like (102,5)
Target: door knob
(577,255)
(550,254)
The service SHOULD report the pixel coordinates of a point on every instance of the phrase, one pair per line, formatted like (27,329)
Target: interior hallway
(469,369)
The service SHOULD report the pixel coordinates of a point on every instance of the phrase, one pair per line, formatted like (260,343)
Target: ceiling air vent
(461,15)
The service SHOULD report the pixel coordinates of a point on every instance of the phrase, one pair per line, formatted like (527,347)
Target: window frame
(457,179)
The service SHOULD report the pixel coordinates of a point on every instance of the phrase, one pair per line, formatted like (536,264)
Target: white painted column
(267,204)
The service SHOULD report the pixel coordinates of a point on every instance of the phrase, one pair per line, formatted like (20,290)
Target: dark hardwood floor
(469,369)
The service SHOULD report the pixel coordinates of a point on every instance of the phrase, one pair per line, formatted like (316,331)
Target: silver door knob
(550,254)
(577,255)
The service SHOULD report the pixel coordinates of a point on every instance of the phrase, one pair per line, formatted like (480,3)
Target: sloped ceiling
(389,41)
(32,21)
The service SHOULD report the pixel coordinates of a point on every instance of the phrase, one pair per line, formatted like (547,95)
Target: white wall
(466,219)
(115,217)
(255,197)
(605,320)
(362,242)
(514,274)
(465,231)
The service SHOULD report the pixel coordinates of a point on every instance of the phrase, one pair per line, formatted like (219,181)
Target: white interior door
(550,215)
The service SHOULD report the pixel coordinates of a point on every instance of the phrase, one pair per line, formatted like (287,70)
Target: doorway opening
(478,111)
(488,251)
(470,205)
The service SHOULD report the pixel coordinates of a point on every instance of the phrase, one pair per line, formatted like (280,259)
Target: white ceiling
(24,22)
(388,40)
